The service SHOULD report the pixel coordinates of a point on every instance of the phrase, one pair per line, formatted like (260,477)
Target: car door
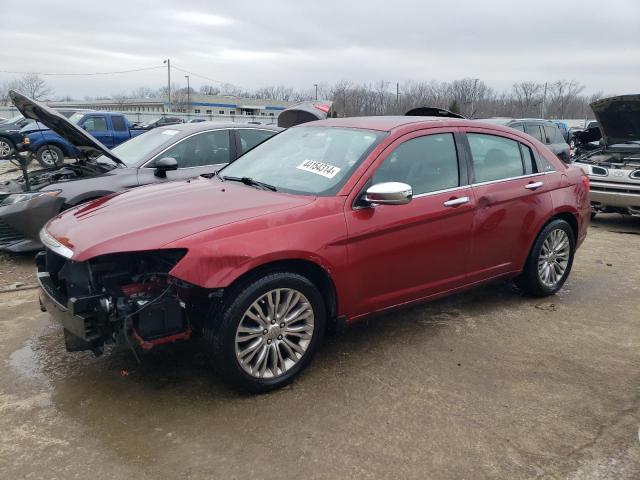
(512,195)
(120,129)
(197,154)
(98,126)
(400,253)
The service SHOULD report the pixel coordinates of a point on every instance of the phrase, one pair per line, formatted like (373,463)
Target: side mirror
(389,193)
(163,165)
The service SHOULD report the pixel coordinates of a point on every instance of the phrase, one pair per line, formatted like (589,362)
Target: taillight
(322,106)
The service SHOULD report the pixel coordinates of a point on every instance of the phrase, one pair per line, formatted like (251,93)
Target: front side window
(534,131)
(249,138)
(306,160)
(208,148)
(95,124)
(428,164)
(494,157)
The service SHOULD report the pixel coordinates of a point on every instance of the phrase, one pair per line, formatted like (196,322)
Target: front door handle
(454,202)
(533,185)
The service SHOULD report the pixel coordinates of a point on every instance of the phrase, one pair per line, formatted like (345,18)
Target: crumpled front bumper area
(21,222)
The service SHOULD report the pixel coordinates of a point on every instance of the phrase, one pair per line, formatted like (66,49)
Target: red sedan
(324,223)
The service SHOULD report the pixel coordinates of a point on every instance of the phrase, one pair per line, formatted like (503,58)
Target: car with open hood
(613,165)
(324,224)
(160,155)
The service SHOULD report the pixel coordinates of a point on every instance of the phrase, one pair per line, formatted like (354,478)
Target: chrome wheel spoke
(553,259)
(274,333)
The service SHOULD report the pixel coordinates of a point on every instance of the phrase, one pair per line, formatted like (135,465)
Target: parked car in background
(161,122)
(613,163)
(50,149)
(544,131)
(157,156)
(564,129)
(325,223)
(197,120)
(586,139)
(10,132)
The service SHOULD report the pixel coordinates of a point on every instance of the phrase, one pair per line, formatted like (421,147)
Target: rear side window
(553,134)
(249,138)
(495,158)
(95,124)
(518,126)
(428,164)
(119,124)
(534,131)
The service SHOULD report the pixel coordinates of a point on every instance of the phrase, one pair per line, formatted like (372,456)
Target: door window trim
(185,138)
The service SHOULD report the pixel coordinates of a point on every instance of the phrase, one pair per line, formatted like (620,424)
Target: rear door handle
(456,201)
(533,185)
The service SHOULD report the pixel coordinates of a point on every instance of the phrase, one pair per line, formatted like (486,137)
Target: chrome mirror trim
(389,193)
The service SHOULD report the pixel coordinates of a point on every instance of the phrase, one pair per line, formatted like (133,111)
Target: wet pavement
(486,384)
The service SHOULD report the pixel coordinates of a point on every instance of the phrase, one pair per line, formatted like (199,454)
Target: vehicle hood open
(148,218)
(619,118)
(304,112)
(431,112)
(58,123)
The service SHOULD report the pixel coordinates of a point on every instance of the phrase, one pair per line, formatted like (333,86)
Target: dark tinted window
(119,124)
(553,134)
(428,164)
(518,126)
(534,131)
(251,137)
(494,157)
(206,148)
(528,160)
(95,124)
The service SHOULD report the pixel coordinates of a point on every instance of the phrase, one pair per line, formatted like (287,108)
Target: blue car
(50,149)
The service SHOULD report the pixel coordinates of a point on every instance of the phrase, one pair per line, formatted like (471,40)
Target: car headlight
(23,197)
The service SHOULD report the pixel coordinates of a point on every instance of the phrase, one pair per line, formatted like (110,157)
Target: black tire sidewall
(224,335)
(44,149)
(534,281)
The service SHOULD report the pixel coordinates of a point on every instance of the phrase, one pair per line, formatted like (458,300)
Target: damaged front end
(115,297)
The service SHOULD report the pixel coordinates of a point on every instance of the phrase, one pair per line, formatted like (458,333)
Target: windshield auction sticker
(324,169)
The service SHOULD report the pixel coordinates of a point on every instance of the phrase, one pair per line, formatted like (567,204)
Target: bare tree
(563,93)
(5,87)
(209,90)
(527,95)
(34,86)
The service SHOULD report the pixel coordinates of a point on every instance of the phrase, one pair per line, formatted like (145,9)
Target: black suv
(543,130)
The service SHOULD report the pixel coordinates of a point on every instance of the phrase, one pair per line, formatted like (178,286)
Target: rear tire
(258,353)
(50,156)
(550,260)
(7,148)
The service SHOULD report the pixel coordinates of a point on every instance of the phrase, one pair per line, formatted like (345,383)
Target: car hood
(619,118)
(57,122)
(148,218)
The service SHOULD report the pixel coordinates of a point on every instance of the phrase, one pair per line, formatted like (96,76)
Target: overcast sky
(299,43)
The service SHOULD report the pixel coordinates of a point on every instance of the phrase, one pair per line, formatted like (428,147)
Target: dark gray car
(543,130)
(160,155)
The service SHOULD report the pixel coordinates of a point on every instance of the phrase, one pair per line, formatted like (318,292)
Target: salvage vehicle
(324,224)
(586,140)
(50,149)
(544,131)
(157,156)
(161,122)
(10,132)
(613,165)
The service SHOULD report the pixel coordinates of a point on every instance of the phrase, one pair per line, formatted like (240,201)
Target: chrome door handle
(456,201)
(534,185)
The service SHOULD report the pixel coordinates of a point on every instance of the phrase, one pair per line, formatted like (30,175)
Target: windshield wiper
(251,182)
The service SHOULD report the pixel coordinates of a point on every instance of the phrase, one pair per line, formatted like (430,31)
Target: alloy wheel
(49,157)
(554,257)
(5,149)
(274,333)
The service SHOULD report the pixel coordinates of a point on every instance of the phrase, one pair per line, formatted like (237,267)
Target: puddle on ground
(24,362)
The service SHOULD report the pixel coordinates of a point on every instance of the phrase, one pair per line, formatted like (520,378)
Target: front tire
(550,260)
(7,148)
(50,156)
(270,329)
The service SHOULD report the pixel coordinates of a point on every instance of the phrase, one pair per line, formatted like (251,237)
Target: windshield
(75,118)
(133,151)
(307,160)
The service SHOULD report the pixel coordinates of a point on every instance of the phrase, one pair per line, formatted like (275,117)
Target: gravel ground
(483,385)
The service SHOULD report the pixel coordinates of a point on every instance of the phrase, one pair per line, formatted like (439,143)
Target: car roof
(199,126)
(380,123)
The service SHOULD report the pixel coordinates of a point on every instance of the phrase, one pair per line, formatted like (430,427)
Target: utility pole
(544,99)
(188,95)
(316,85)
(168,62)
(398,94)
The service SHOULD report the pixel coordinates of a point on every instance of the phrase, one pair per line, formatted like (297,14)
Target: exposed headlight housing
(53,244)
(23,197)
